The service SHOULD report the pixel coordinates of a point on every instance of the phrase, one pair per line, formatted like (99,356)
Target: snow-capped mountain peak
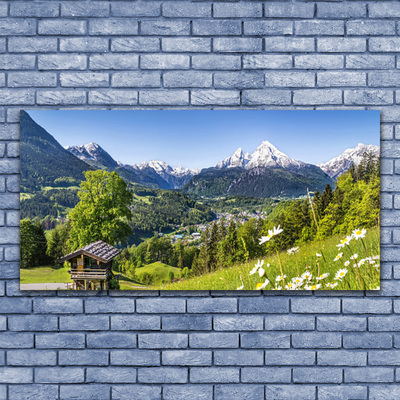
(162,167)
(92,152)
(340,164)
(176,177)
(237,159)
(267,155)
(158,166)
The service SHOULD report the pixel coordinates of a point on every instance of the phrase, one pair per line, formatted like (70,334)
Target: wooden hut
(91,266)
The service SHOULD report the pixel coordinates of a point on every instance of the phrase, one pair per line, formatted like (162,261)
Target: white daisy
(338,257)
(280,278)
(261,286)
(354,256)
(271,234)
(347,263)
(257,267)
(331,285)
(344,242)
(341,274)
(264,239)
(240,287)
(298,280)
(359,233)
(253,271)
(312,287)
(307,275)
(321,277)
(293,250)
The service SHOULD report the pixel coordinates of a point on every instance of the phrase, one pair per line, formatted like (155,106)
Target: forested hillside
(257,182)
(155,210)
(44,162)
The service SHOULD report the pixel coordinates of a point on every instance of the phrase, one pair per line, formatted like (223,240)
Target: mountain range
(338,165)
(266,172)
(156,174)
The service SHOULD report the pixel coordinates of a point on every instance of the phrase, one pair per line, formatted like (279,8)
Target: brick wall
(199,345)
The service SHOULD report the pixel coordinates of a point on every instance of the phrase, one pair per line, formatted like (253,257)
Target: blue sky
(198,139)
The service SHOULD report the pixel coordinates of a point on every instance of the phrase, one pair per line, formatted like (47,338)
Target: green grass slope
(46,274)
(236,276)
(159,272)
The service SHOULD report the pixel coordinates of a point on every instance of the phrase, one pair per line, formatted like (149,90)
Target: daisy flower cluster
(354,261)
(310,277)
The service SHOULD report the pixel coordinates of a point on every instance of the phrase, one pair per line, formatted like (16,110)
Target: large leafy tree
(103,210)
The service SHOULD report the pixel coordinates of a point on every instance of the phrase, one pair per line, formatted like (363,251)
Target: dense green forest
(237,204)
(51,203)
(156,209)
(257,182)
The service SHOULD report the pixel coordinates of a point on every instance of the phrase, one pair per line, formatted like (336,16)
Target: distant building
(91,265)
(196,235)
(178,237)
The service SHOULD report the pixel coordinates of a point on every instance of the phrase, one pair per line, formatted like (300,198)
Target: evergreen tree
(194,263)
(231,245)
(57,244)
(221,238)
(201,265)
(352,172)
(212,248)
(33,244)
(325,199)
(221,229)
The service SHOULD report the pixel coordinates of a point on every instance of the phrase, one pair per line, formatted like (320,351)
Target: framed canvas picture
(200,200)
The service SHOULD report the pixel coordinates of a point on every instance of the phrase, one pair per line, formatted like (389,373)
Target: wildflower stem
(312,209)
(365,248)
(358,274)
(280,266)
(297,265)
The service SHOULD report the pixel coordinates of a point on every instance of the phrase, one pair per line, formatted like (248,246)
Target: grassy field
(59,274)
(159,271)
(126,283)
(366,276)
(46,274)
(56,274)
(145,199)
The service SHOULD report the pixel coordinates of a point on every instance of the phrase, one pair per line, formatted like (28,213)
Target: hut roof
(99,250)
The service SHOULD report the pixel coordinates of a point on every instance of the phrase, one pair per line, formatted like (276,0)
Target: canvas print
(200,200)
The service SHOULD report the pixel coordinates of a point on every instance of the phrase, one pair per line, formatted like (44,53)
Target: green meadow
(238,275)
